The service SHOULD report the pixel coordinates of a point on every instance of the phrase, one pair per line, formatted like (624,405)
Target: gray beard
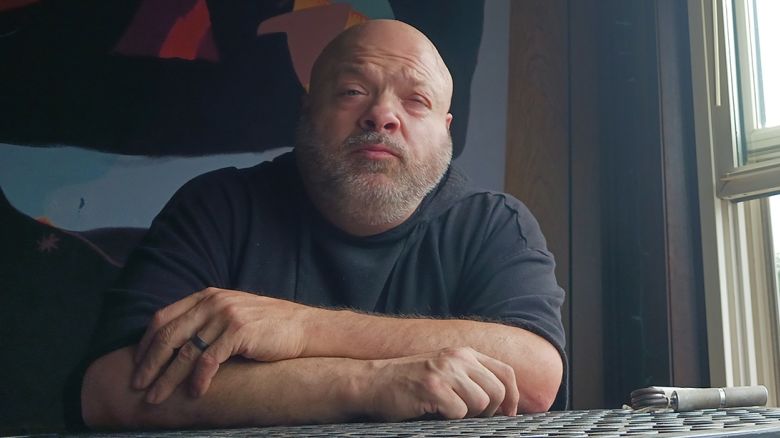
(349,184)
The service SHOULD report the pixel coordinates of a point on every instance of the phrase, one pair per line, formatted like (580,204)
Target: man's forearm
(267,329)
(450,383)
(537,364)
(295,391)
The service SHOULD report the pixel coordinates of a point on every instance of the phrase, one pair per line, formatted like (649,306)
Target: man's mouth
(377,151)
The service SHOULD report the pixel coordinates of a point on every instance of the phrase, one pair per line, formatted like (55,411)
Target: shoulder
(281,167)
(231,184)
(492,213)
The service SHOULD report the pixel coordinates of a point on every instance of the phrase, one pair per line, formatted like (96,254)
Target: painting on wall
(102,98)
(189,77)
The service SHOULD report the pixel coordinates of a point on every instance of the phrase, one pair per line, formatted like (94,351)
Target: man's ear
(448,120)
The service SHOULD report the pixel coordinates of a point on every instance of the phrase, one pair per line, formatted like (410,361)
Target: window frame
(743,334)
(760,144)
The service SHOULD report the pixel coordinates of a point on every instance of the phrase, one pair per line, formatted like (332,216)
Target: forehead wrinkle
(425,61)
(368,68)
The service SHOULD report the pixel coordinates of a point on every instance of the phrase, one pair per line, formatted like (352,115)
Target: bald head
(389,40)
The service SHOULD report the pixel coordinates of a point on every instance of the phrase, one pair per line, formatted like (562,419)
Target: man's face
(375,134)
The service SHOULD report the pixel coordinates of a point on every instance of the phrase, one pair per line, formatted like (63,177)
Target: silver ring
(199,343)
(722,395)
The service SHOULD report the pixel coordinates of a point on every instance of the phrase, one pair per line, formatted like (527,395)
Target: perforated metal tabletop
(731,422)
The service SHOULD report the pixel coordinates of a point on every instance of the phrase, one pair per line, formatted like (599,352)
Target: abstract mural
(190,77)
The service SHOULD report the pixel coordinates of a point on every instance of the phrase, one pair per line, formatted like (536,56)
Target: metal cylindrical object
(691,399)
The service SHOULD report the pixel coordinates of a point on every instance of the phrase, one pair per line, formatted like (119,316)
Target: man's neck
(349,224)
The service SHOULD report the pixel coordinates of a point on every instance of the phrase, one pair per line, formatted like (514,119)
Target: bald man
(358,277)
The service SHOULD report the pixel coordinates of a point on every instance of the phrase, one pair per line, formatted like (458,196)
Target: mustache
(359,140)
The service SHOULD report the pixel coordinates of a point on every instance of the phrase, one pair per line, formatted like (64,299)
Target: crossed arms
(272,361)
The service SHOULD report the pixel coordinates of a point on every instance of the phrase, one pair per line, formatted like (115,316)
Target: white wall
(483,156)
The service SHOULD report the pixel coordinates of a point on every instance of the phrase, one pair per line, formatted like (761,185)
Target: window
(735,67)
(757,36)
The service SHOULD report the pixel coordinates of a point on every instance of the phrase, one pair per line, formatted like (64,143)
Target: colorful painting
(121,92)
(189,77)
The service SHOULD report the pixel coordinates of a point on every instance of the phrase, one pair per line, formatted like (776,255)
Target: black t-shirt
(464,253)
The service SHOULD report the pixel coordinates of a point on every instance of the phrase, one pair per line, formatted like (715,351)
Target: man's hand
(450,383)
(232,323)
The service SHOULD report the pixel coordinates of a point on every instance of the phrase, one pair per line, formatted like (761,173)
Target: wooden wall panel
(688,340)
(600,147)
(586,298)
(635,276)
(537,162)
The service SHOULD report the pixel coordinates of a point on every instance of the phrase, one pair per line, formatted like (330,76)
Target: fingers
(176,372)
(165,341)
(479,386)
(477,394)
(491,387)
(208,363)
(483,383)
(181,367)
(162,318)
(452,405)
(506,375)
(207,313)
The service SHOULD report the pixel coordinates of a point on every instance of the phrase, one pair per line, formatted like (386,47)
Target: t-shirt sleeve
(184,251)
(511,278)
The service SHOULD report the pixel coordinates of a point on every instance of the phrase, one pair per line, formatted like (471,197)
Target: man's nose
(380,117)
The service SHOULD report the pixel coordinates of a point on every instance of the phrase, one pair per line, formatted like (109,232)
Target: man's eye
(418,101)
(351,92)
